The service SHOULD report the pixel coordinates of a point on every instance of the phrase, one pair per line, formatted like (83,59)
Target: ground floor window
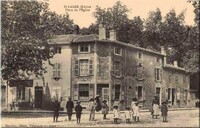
(83,91)
(21,92)
(117,91)
(140,92)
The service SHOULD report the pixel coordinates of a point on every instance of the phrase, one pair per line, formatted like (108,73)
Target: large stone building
(89,65)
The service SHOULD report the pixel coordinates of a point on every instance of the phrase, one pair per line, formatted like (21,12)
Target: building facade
(89,65)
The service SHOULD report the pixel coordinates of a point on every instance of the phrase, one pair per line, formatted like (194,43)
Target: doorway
(38,97)
(158,93)
(173,96)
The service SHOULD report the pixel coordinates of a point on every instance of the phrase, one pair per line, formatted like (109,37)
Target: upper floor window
(118,51)
(176,79)
(158,74)
(117,68)
(170,78)
(58,50)
(84,48)
(158,60)
(57,70)
(83,67)
(140,71)
(140,55)
(184,78)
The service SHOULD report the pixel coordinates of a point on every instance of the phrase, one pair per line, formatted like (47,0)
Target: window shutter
(122,69)
(91,67)
(114,69)
(144,93)
(136,70)
(91,91)
(161,74)
(26,93)
(75,91)
(155,74)
(113,92)
(122,93)
(76,67)
(136,92)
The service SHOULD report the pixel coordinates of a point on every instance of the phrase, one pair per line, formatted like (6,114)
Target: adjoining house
(89,65)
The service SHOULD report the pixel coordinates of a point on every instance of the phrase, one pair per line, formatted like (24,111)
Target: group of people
(95,104)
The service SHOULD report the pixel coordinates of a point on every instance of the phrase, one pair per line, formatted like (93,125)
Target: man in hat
(164,111)
(78,110)
(69,107)
(104,109)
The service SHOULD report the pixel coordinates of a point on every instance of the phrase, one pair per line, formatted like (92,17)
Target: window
(84,48)
(184,78)
(158,60)
(117,91)
(158,74)
(170,78)
(118,51)
(169,92)
(21,92)
(57,70)
(176,79)
(83,67)
(58,50)
(117,67)
(83,91)
(140,55)
(139,92)
(140,71)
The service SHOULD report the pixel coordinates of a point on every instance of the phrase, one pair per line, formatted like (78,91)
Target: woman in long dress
(155,105)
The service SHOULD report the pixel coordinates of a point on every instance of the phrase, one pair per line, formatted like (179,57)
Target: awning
(27,83)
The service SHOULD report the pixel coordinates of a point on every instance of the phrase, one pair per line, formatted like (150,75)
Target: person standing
(127,115)
(164,111)
(136,112)
(69,107)
(91,108)
(134,101)
(56,108)
(78,110)
(116,114)
(104,109)
(155,105)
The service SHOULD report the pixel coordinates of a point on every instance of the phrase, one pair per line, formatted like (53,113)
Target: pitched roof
(86,38)
(63,39)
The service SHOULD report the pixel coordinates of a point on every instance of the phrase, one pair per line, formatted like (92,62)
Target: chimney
(162,50)
(102,32)
(175,63)
(76,29)
(113,35)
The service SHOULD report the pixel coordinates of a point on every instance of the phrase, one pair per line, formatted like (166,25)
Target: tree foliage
(26,26)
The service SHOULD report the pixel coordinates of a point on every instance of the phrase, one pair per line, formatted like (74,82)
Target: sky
(137,8)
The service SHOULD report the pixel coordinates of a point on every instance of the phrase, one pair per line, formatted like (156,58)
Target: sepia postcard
(97,63)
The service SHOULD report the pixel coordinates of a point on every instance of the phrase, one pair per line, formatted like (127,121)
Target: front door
(38,97)
(173,96)
(158,93)
(105,94)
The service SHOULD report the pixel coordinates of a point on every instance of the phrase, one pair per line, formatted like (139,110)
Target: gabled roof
(63,39)
(86,38)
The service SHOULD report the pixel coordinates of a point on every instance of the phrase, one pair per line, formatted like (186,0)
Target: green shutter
(76,69)
(75,91)
(91,67)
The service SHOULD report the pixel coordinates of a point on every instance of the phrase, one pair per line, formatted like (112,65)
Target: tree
(26,26)
(112,18)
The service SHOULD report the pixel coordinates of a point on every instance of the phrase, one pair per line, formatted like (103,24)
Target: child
(115,114)
(136,112)
(78,110)
(164,111)
(56,108)
(104,109)
(127,115)
(91,109)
